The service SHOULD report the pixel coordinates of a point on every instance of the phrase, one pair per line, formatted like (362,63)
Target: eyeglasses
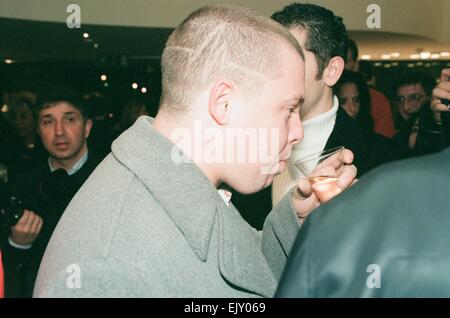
(413,98)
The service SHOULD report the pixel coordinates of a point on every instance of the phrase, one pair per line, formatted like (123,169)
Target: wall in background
(416,17)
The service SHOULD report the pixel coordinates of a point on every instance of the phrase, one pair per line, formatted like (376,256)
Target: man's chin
(60,155)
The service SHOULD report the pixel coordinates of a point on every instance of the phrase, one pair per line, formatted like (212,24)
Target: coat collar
(193,203)
(182,189)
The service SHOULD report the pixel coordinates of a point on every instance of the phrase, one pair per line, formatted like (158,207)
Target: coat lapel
(241,261)
(182,189)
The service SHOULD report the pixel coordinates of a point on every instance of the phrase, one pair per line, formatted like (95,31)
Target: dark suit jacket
(48,194)
(254,208)
(393,224)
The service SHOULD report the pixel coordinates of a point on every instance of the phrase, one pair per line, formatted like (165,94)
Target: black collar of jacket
(348,133)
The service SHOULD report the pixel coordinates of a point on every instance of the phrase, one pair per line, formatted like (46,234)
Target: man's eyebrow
(65,113)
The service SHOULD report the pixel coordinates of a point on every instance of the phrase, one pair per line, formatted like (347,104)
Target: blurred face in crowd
(64,133)
(349,99)
(23,120)
(408,99)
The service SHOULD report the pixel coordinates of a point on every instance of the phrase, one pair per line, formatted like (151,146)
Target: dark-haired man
(323,37)
(64,126)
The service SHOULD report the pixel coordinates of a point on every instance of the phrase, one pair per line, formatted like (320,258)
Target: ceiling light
(5,108)
(366,57)
(414,56)
(9,61)
(85,35)
(143,90)
(425,55)
(134,86)
(445,54)
(435,55)
(385,57)
(395,54)
(103,77)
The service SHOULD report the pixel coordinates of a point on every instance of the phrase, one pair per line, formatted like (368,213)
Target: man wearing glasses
(409,94)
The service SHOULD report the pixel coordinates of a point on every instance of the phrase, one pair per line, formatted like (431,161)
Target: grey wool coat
(144,226)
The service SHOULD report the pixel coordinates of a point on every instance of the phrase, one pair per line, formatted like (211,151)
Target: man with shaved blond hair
(154,219)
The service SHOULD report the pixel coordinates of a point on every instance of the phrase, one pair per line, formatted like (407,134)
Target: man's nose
(296,131)
(411,106)
(60,128)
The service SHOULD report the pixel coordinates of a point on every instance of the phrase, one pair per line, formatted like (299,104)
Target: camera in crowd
(11,211)
(11,207)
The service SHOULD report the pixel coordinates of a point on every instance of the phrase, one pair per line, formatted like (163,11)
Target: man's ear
(87,128)
(220,100)
(333,71)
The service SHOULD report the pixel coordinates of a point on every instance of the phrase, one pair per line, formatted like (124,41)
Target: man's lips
(62,144)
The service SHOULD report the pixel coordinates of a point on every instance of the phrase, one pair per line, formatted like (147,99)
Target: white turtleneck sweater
(317,130)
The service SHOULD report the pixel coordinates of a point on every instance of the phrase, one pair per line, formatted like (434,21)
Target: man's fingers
(347,177)
(307,206)
(445,74)
(39,226)
(304,199)
(324,171)
(24,219)
(303,190)
(344,156)
(35,223)
(440,93)
(439,107)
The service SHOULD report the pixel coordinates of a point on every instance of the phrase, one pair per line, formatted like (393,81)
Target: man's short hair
(412,78)
(327,36)
(216,42)
(58,93)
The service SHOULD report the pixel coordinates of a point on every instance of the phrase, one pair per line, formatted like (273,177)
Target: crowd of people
(109,197)
(51,143)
